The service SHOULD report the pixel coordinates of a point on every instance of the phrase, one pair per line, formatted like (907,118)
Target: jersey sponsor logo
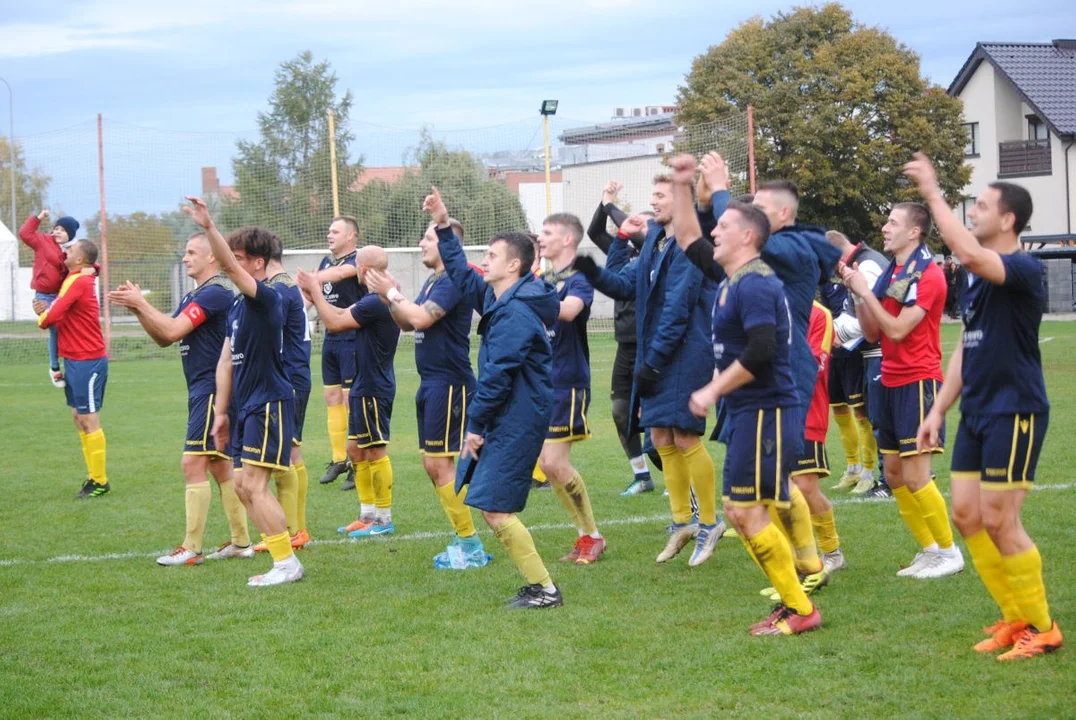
(559,428)
(247,448)
(719,350)
(743,489)
(996,472)
(972,338)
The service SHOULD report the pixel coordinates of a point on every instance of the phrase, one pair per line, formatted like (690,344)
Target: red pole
(750,145)
(104,236)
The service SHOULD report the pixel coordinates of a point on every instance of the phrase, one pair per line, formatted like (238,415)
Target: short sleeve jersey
(341,294)
(296,332)
(207,308)
(571,351)
(443,350)
(256,335)
(754,296)
(820,338)
(1002,366)
(375,348)
(918,356)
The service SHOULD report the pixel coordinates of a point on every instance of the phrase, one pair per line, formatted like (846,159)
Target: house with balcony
(1020,117)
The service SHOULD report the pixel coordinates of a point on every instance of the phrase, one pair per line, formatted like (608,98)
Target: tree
(391,215)
(839,108)
(145,249)
(31,188)
(284,180)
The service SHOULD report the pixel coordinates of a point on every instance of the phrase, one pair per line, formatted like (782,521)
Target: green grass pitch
(91,627)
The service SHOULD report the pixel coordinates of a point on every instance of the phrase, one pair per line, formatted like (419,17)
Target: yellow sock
(781,519)
(85,452)
(381,479)
(935,514)
(561,491)
(1024,572)
(300,498)
(236,514)
(95,450)
(869,444)
(197,496)
(338,431)
(538,474)
(912,516)
(825,531)
(803,545)
(751,552)
(577,491)
(519,545)
(287,491)
(849,435)
(991,569)
(677,481)
(700,467)
(775,557)
(364,483)
(279,546)
(458,513)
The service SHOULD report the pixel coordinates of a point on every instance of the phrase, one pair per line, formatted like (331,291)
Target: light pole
(11,151)
(549,107)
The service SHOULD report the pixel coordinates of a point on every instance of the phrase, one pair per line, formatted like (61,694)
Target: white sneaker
(833,561)
(677,540)
(922,559)
(705,542)
(56,377)
(848,480)
(286,572)
(228,551)
(942,564)
(180,556)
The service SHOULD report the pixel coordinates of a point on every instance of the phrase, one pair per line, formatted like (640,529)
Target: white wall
(532,198)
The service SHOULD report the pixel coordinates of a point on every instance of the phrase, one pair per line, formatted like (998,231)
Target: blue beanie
(69,224)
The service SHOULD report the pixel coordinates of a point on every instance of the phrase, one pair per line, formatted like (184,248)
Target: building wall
(532,198)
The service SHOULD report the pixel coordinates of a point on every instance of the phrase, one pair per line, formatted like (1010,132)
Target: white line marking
(634,520)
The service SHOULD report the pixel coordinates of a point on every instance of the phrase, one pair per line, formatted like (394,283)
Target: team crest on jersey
(327,288)
(767,445)
(456,410)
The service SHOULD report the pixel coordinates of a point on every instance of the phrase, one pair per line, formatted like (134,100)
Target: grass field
(91,627)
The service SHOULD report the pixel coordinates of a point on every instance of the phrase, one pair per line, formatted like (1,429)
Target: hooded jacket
(513,400)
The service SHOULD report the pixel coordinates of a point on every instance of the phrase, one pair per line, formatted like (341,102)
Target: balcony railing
(1025,157)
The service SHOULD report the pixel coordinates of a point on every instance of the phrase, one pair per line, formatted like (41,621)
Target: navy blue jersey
(443,350)
(207,309)
(256,335)
(752,297)
(375,348)
(1002,367)
(571,352)
(341,294)
(296,332)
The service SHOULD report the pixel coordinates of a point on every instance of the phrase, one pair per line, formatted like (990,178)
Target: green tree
(391,215)
(839,108)
(284,180)
(144,249)
(31,190)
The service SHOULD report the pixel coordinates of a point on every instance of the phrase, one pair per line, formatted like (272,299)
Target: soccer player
(372,395)
(508,419)
(199,325)
(441,320)
(251,376)
(673,303)
(855,377)
(904,310)
(752,346)
(49,271)
(337,277)
(292,484)
(80,343)
(558,244)
(626,346)
(996,371)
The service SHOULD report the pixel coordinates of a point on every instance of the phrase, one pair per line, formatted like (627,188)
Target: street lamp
(549,107)
(11,151)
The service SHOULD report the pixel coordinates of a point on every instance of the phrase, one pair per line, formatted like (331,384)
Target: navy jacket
(673,302)
(513,400)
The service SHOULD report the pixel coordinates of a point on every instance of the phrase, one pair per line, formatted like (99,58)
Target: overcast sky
(207,65)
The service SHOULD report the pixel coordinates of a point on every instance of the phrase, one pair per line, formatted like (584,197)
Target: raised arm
(242,280)
(974,257)
(336,273)
(696,245)
(29,234)
(470,284)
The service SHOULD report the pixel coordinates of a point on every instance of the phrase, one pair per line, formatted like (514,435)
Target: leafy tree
(839,108)
(31,188)
(284,180)
(145,249)
(391,215)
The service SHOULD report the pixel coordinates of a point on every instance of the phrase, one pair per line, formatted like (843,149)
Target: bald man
(371,396)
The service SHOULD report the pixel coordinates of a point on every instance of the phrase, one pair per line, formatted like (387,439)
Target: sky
(184,80)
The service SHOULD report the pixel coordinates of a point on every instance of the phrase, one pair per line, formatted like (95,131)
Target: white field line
(634,520)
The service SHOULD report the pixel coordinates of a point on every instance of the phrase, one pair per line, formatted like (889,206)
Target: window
(966,205)
(1036,130)
(971,147)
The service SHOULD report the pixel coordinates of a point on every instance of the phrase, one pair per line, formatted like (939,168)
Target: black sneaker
(536,596)
(880,491)
(333,471)
(90,489)
(349,481)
